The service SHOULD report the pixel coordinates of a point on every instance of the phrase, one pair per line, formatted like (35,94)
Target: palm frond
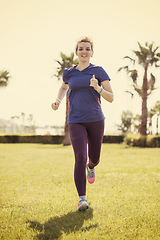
(72,55)
(125,67)
(59,62)
(134,75)
(66,62)
(63,56)
(130,59)
(138,54)
(150,47)
(156,49)
(138,90)
(4,78)
(151,82)
(143,50)
(129,93)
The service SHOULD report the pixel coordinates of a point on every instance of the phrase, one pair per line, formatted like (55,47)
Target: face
(84,52)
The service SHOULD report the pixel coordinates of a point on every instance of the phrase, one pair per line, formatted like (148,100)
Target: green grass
(38,199)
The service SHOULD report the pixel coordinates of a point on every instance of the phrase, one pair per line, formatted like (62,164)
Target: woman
(86,83)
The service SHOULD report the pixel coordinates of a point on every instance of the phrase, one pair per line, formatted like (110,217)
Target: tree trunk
(66,140)
(150,125)
(157,124)
(143,126)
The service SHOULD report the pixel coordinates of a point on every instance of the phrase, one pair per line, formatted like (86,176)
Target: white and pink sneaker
(82,204)
(90,174)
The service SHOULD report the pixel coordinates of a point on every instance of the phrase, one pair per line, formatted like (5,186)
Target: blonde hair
(84,39)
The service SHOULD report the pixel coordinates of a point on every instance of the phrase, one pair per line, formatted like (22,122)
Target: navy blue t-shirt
(84,100)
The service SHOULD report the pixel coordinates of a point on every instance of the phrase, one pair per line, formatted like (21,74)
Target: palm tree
(66,62)
(157,111)
(126,121)
(136,122)
(31,125)
(4,78)
(151,113)
(23,118)
(17,129)
(14,124)
(146,57)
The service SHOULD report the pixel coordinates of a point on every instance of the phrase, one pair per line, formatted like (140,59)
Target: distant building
(5,126)
(9,127)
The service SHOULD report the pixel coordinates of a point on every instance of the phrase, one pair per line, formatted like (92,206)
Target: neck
(82,65)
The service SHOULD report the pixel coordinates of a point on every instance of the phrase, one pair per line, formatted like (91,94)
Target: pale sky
(34,32)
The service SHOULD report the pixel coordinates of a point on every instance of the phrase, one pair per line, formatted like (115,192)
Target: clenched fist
(55,105)
(94,82)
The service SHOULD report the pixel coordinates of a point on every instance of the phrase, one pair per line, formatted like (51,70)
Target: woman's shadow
(54,227)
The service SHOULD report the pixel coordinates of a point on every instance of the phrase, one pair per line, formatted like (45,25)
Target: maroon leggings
(80,134)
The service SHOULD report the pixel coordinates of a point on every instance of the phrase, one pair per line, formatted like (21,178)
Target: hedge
(113,139)
(138,140)
(135,140)
(45,139)
(51,139)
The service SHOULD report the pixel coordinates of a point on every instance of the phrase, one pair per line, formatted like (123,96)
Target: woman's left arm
(105,90)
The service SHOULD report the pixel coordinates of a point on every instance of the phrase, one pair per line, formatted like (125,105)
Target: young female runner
(86,83)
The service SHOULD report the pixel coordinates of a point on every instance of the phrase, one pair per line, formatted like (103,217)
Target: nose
(84,51)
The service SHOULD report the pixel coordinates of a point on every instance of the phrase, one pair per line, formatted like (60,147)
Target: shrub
(113,138)
(3,139)
(45,139)
(137,140)
(153,141)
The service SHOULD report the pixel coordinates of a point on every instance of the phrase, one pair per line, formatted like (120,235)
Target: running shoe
(90,174)
(82,204)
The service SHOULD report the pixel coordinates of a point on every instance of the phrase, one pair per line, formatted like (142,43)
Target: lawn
(38,199)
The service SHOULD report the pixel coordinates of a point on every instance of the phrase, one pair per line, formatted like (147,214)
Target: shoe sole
(84,206)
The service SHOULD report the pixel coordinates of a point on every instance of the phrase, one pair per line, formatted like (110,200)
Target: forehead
(84,45)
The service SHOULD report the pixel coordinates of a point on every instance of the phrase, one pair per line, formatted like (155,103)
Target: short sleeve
(66,75)
(102,75)
(65,78)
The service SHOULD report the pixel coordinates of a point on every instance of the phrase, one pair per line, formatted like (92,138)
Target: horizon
(34,34)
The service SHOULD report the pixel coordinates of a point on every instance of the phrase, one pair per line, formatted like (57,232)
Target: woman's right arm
(62,92)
